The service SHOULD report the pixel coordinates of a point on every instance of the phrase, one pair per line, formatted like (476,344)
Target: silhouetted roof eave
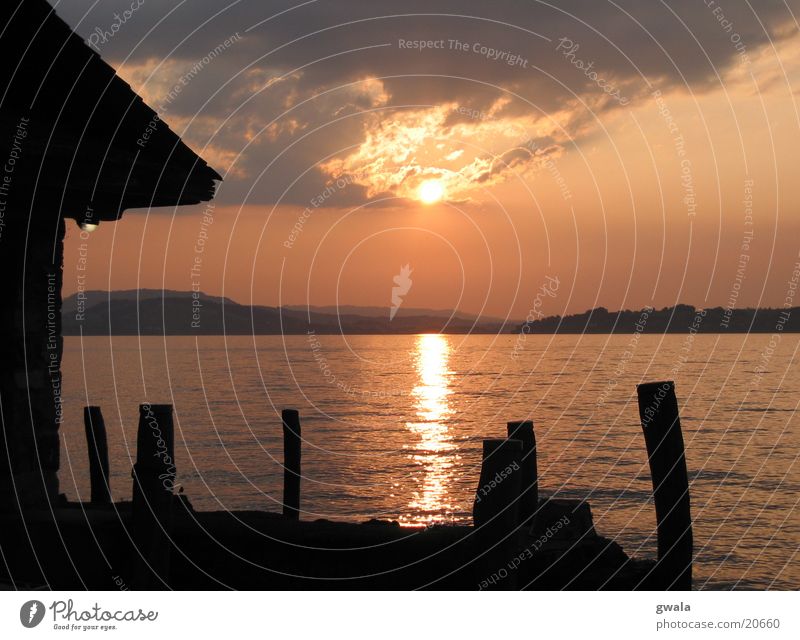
(86,141)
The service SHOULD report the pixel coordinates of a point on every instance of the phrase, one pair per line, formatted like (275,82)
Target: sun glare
(431,191)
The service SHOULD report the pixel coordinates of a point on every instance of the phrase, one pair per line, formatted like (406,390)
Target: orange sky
(535,172)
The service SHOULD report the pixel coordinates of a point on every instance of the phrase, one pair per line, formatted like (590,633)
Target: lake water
(392,428)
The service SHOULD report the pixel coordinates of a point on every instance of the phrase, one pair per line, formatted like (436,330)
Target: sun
(431,191)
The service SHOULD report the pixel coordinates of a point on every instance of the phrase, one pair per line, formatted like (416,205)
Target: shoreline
(416,333)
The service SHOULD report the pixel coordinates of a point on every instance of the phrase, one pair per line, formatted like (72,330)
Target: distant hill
(168,312)
(91,298)
(380,312)
(681,318)
(183,313)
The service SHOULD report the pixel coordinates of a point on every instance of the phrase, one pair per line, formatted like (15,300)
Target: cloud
(311,91)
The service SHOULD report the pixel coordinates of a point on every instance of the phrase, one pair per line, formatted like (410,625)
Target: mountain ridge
(169,312)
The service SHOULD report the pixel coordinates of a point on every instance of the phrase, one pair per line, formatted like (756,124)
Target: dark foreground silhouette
(519,540)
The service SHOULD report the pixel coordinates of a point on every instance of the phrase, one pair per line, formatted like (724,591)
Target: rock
(563,519)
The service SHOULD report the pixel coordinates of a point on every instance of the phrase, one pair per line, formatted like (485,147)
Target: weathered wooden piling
(658,410)
(291,463)
(153,485)
(497,497)
(97,446)
(495,512)
(529,490)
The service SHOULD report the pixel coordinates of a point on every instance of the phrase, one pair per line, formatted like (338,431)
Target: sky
(516,155)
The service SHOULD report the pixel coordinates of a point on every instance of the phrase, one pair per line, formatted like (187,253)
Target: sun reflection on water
(432,500)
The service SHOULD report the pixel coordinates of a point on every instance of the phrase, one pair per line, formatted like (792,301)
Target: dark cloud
(290,74)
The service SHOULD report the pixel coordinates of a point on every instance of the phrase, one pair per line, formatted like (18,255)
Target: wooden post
(291,463)
(153,484)
(529,491)
(499,485)
(658,410)
(97,445)
(495,513)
